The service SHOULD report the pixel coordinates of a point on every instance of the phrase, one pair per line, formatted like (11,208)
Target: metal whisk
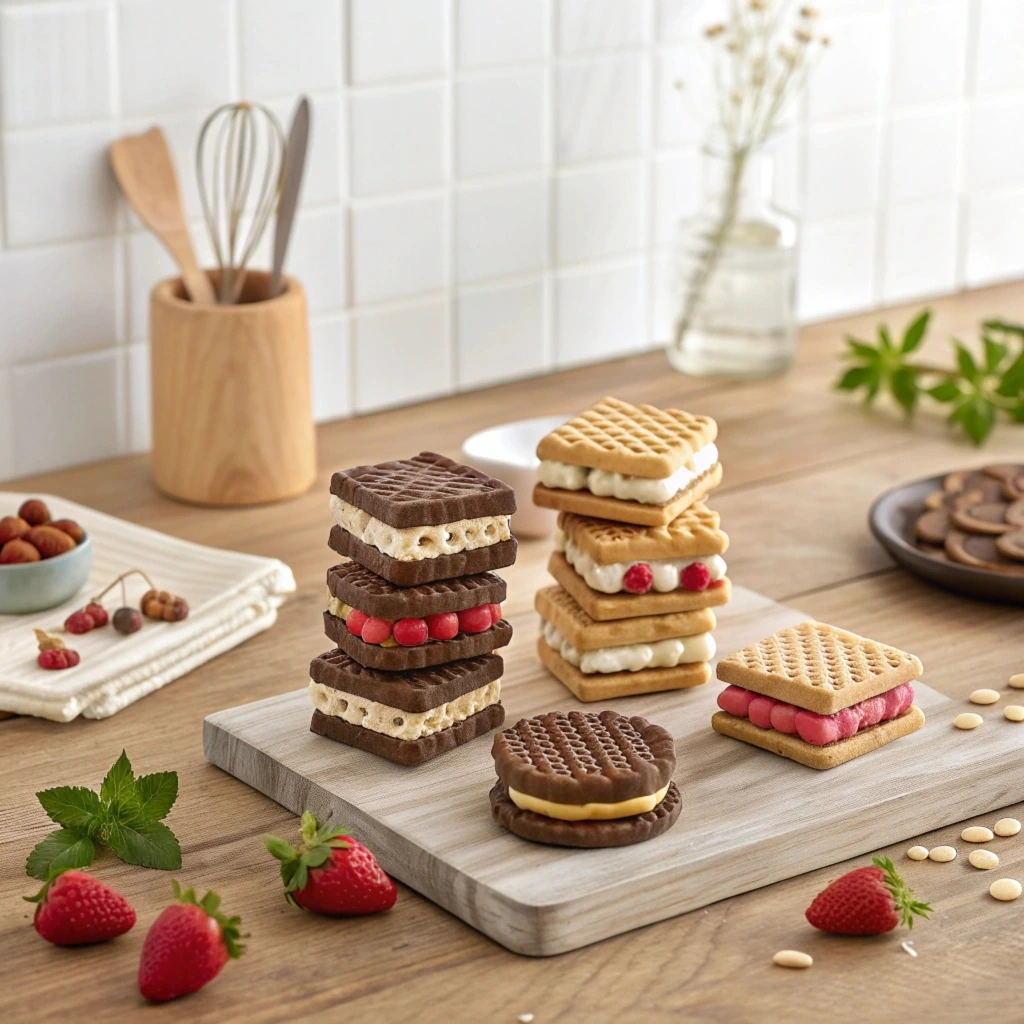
(240,168)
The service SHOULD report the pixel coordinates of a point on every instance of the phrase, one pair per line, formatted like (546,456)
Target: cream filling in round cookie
(608,579)
(680,650)
(414,543)
(646,490)
(587,812)
(401,725)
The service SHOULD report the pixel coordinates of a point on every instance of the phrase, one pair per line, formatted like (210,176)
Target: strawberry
(74,908)
(331,873)
(866,901)
(186,946)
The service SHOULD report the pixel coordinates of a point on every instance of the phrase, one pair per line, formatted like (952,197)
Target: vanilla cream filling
(414,543)
(587,812)
(679,650)
(401,725)
(646,490)
(608,579)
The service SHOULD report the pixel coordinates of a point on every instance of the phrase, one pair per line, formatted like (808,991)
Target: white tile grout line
(648,98)
(881,209)
(345,190)
(449,172)
(550,126)
(968,99)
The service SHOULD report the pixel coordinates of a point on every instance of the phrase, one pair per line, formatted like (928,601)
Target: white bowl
(508,452)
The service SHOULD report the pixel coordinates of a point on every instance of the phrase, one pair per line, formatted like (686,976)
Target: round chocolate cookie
(1011,545)
(1015,514)
(980,551)
(932,527)
(988,517)
(972,480)
(1004,471)
(953,499)
(539,828)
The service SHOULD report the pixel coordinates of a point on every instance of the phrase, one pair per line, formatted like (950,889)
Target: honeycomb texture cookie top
(633,440)
(426,490)
(580,758)
(819,667)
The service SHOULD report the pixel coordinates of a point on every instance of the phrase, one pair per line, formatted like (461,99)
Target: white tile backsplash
(516,214)
(55,63)
(500,333)
(398,139)
(492,187)
(500,123)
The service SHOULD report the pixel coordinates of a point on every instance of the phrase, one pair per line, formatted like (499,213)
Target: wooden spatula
(145,172)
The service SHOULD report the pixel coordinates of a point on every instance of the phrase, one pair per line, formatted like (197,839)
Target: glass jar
(734,269)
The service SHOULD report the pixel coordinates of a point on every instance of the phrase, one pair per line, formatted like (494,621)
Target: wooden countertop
(802,466)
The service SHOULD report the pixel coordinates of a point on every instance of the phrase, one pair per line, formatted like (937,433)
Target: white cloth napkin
(231,596)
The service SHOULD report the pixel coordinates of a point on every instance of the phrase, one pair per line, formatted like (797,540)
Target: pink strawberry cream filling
(819,730)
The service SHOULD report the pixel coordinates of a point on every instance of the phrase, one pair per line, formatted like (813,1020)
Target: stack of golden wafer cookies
(977,519)
(638,556)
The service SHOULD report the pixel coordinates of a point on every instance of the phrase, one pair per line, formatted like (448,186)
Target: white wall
(493,187)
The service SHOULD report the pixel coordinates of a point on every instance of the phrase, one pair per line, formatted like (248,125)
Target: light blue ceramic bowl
(35,586)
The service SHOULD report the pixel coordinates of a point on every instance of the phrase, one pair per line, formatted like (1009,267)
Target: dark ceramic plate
(892,519)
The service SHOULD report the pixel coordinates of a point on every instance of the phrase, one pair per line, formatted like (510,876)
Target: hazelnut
(12,527)
(159,604)
(71,528)
(34,512)
(18,550)
(49,540)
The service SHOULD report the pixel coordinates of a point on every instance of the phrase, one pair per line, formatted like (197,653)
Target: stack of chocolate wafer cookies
(416,614)
(638,556)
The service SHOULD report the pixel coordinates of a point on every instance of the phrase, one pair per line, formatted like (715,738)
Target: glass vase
(734,269)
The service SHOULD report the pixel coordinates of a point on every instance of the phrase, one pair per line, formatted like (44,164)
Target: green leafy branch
(978,390)
(125,816)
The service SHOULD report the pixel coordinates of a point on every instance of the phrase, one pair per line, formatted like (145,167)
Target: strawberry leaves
(230,927)
(318,840)
(902,896)
(981,388)
(124,816)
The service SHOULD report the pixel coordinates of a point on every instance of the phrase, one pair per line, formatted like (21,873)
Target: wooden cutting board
(749,818)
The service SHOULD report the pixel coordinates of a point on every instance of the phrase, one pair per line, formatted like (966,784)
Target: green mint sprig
(125,816)
(979,389)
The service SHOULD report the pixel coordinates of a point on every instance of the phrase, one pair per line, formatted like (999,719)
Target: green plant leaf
(156,794)
(995,353)
(904,388)
(60,851)
(862,349)
(1017,413)
(1004,327)
(855,377)
(968,367)
(1012,382)
(316,857)
(914,334)
(976,416)
(885,338)
(118,787)
(947,391)
(75,807)
(874,384)
(150,844)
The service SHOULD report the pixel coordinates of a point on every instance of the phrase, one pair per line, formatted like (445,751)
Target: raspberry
(98,614)
(442,626)
(79,622)
(696,576)
(355,622)
(410,632)
(376,631)
(638,578)
(53,659)
(475,620)
(495,612)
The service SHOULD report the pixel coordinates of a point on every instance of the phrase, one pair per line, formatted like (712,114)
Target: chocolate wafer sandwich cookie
(384,626)
(423,519)
(632,464)
(818,695)
(588,780)
(405,716)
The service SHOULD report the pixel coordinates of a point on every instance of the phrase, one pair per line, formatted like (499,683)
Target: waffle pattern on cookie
(694,532)
(634,440)
(579,758)
(359,587)
(427,490)
(819,667)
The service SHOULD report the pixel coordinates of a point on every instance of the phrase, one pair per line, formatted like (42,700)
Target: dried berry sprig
(979,390)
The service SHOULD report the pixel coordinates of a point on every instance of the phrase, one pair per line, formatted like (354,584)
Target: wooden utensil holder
(232,412)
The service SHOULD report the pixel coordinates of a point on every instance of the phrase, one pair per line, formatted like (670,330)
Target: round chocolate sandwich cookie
(980,551)
(589,780)
(932,527)
(965,480)
(988,517)
(1011,545)
(950,500)
(1003,471)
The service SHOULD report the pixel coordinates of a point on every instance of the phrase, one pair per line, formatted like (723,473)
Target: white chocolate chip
(525,1018)
(976,834)
(1017,681)
(918,853)
(942,854)
(792,958)
(1006,827)
(1005,889)
(984,697)
(908,947)
(968,720)
(984,859)
(1013,713)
